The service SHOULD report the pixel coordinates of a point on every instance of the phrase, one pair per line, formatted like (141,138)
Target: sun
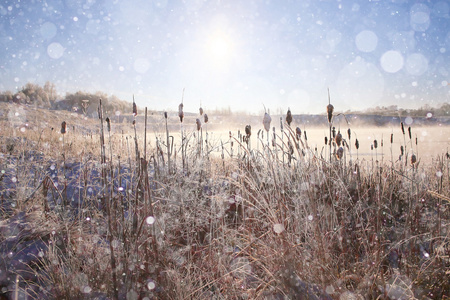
(219,49)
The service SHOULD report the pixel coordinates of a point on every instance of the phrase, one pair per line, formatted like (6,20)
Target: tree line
(47,97)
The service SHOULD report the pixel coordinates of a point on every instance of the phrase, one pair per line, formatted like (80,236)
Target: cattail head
(298,133)
(392,138)
(180,112)
(248,130)
(338,138)
(99,109)
(326,140)
(357,144)
(199,124)
(165,115)
(205,118)
(371,147)
(63,127)
(108,124)
(375,144)
(333,131)
(409,132)
(339,153)
(403,127)
(413,159)
(304,133)
(134,108)
(330,109)
(349,133)
(201,111)
(402,150)
(266,121)
(289,117)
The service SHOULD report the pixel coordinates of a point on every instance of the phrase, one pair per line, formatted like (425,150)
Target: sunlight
(219,49)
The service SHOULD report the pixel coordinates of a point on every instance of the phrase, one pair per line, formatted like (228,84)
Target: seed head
(199,124)
(403,127)
(134,109)
(205,118)
(298,133)
(289,117)
(304,133)
(339,153)
(165,115)
(266,121)
(180,112)
(248,130)
(326,140)
(201,111)
(108,124)
(409,132)
(402,151)
(357,144)
(413,159)
(349,133)
(392,138)
(375,144)
(338,138)
(63,127)
(330,109)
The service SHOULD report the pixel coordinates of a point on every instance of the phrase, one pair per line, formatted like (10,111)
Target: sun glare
(219,49)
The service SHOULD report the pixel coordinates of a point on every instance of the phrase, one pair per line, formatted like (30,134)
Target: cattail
(416,140)
(199,124)
(375,144)
(304,133)
(134,108)
(63,127)
(289,117)
(229,134)
(403,128)
(180,112)
(266,121)
(108,124)
(330,109)
(134,122)
(392,138)
(165,115)
(326,140)
(201,111)
(99,110)
(334,132)
(338,138)
(402,151)
(349,133)
(248,130)
(413,159)
(371,147)
(339,153)
(357,144)
(409,132)
(298,133)
(205,118)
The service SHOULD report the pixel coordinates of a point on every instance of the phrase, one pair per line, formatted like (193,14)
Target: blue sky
(237,54)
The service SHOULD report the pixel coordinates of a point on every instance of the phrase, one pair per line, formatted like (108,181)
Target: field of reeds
(156,207)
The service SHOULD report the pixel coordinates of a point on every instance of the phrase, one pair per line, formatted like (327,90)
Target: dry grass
(222,220)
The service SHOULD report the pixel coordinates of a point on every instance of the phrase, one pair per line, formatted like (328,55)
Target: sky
(243,55)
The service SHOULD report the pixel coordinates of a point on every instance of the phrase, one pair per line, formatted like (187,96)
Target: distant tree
(6,96)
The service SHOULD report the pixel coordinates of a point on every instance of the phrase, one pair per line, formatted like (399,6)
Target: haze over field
(236,54)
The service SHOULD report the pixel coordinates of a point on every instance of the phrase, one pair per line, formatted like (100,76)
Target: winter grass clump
(84,215)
